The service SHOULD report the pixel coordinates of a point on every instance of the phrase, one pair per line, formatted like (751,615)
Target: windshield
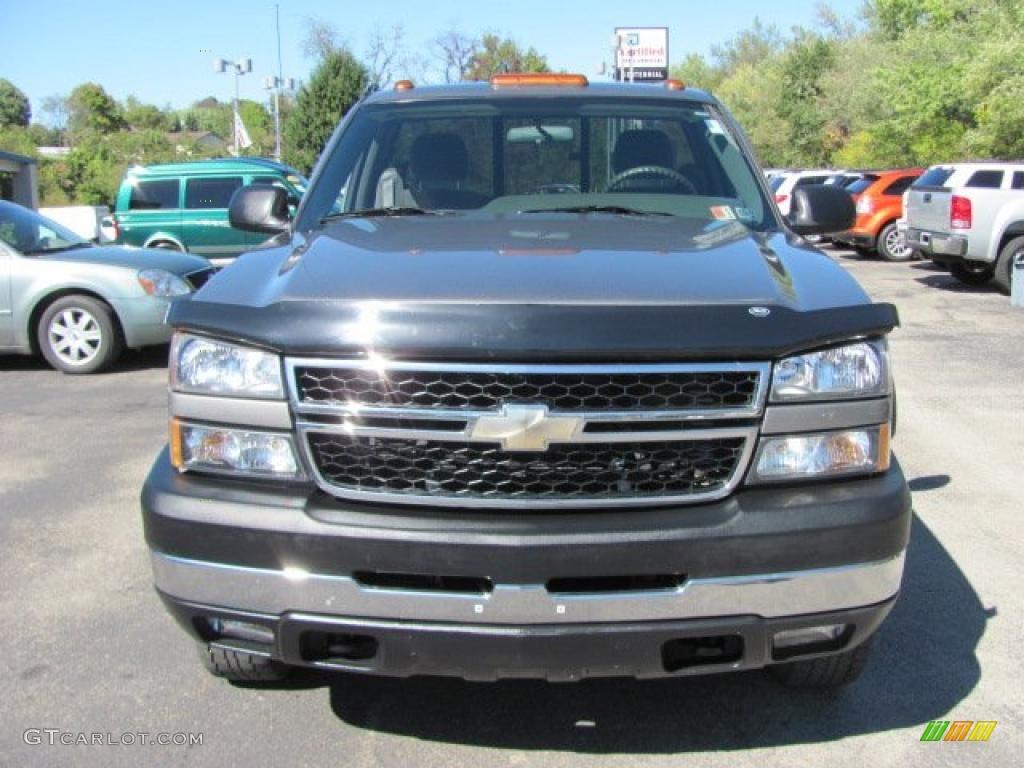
(29,233)
(523,156)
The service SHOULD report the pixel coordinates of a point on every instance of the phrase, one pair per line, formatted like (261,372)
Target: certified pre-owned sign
(641,53)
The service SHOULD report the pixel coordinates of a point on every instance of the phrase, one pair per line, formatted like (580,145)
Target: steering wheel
(651,170)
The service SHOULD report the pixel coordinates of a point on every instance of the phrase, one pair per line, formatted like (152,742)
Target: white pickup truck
(970,217)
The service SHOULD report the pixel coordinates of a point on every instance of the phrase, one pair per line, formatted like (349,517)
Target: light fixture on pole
(241,67)
(276,84)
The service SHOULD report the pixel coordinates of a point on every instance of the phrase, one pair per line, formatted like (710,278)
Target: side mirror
(820,210)
(259,208)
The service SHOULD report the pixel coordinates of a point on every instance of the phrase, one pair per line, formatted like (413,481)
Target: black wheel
(1004,264)
(241,667)
(971,272)
(165,245)
(826,671)
(891,246)
(78,334)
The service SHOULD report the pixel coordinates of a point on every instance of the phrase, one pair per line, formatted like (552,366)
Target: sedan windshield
(29,233)
(530,156)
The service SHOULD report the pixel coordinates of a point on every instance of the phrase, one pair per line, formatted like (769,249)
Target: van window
(986,179)
(1018,180)
(211,193)
(898,187)
(154,195)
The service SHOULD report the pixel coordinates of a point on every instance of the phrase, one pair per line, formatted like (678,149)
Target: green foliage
(919,82)
(142,117)
(336,84)
(14,106)
(93,110)
(495,55)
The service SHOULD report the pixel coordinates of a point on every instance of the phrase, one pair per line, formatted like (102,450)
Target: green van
(184,206)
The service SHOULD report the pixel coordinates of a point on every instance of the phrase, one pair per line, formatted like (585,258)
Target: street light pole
(241,67)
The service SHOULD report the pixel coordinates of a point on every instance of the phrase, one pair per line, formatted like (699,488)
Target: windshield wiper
(38,251)
(367,213)
(619,210)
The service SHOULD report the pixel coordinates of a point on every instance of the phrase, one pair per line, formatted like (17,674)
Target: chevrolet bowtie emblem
(524,428)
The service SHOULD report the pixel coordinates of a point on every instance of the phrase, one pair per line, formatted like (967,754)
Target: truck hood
(139,258)
(491,274)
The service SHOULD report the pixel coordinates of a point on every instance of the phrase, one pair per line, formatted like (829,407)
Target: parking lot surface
(88,648)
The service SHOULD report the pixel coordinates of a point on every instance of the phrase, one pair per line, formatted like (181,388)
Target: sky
(162,53)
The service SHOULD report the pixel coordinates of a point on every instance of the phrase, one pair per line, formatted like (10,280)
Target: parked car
(879,199)
(843,178)
(970,218)
(784,184)
(184,206)
(453,422)
(79,304)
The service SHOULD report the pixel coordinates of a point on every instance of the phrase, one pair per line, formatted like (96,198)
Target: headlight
(235,451)
(160,282)
(853,370)
(209,367)
(826,454)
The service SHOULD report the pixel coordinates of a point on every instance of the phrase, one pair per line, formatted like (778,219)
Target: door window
(154,195)
(211,193)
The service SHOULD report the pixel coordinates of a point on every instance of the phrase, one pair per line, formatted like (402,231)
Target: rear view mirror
(820,210)
(539,134)
(259,208)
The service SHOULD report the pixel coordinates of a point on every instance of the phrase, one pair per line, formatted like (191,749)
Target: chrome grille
(483,390)
(580,472)
(526,436)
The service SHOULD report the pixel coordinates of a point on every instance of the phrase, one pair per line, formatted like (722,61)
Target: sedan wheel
(77,334)
(891,246)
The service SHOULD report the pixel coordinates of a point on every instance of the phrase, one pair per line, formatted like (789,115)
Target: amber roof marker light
(538,78)
(404,85)
(675,85)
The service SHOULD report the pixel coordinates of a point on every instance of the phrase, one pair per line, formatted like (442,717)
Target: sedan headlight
(210,367)
(826,454)
(853,370)
(234,451)
(160,282)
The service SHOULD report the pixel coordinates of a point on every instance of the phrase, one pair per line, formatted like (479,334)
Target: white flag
(241,135)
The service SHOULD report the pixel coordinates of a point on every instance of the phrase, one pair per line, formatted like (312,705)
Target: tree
(321,39)
(800,99)
(141,116)
(455,51)
(751,47)
(92,109)
(14,106)
(337,83)
(696,71)
(496,55)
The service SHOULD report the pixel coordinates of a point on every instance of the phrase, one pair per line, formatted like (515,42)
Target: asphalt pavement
(90,652)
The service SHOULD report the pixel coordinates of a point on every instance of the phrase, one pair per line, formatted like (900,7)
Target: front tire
(890,246)
(241,667)
(971,272)
(826,671)
(78,334)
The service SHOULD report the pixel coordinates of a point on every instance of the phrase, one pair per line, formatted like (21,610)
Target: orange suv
(879,199)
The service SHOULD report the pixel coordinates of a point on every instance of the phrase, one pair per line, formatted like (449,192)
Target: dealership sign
(641,53)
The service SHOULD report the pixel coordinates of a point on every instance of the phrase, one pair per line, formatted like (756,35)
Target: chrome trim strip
(532,502)
(768,595)
(246,412)
(817,417)
(760,396)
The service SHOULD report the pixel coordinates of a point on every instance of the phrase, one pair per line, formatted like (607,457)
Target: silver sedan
(78,304)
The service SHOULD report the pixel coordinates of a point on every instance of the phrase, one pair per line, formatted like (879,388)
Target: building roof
(15,158)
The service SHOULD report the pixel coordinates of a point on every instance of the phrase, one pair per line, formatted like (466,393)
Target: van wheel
(166,245)
(239,666)
(825,671)
(890,245)
(971,272)
(1004,264)
(78,334)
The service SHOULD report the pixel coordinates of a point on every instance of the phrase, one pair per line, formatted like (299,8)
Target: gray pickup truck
(969,217)
(536,383)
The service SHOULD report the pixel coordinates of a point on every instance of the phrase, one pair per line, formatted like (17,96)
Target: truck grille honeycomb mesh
(474,390)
